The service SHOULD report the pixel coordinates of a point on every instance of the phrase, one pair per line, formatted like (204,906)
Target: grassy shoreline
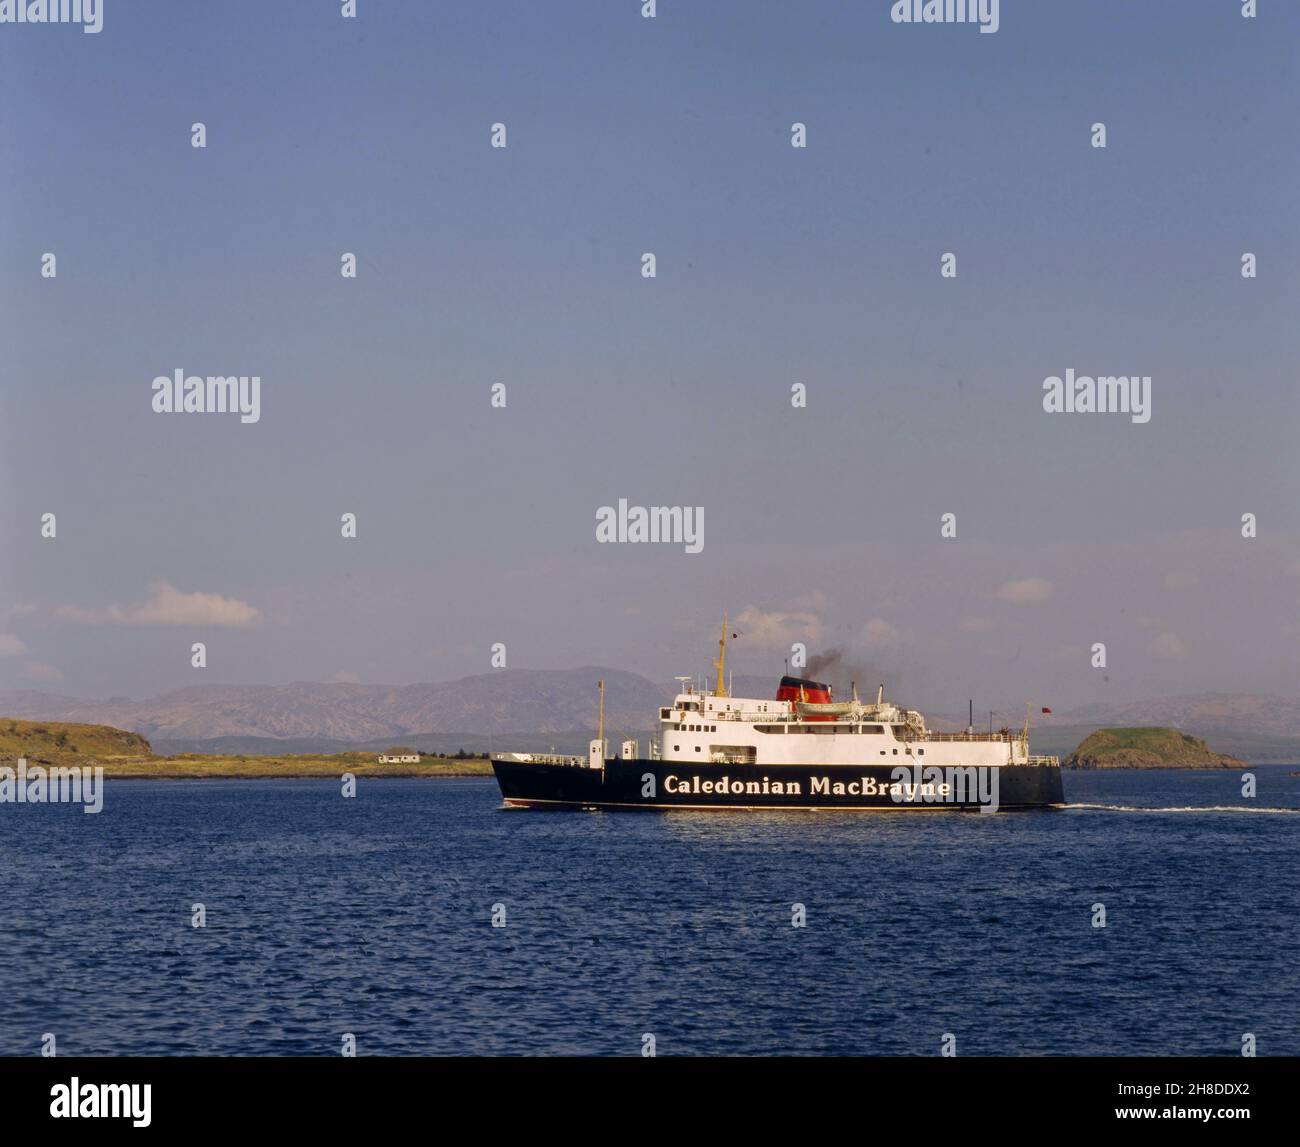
(194,766)
(129,756)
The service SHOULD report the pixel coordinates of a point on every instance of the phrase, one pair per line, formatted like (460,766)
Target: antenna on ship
(596,748)
(721,663)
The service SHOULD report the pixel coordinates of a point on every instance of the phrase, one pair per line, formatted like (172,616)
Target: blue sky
(775,265)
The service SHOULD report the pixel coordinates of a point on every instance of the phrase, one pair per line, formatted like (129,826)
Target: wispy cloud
(1025,590)
(777,628)
(1168,646)
(167,605)
(10,646)
(878,632)
(39,671)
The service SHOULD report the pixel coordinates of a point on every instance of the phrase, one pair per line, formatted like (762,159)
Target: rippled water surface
(373,916)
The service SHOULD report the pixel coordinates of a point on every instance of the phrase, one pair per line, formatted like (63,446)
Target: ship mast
(600,712)
(720,664)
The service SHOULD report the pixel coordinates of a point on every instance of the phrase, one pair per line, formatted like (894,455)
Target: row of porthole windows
(697,728)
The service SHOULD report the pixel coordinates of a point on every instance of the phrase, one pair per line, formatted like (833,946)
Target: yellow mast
(719,665)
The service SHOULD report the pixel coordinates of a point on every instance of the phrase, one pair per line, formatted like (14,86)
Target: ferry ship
(798,750)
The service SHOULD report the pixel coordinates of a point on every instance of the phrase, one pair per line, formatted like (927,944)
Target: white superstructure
(717,729)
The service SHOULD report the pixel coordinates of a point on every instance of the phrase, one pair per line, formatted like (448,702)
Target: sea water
(423,919)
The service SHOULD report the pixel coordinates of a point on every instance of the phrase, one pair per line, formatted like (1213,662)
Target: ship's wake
(1268,809)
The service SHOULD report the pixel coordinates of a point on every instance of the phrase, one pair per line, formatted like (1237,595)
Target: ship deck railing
(993,738)
(757,717)
(541,758)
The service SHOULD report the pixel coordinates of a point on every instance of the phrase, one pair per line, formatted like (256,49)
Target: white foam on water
(1184,808)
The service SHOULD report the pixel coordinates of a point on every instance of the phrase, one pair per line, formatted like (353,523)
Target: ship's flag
(1047,710)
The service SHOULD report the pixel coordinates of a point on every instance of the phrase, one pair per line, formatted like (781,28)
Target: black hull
(659,785)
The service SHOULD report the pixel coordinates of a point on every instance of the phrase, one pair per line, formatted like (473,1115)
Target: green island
(129,755)
(1147,748)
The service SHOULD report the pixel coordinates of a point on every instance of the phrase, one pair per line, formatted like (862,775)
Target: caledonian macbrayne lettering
(817,786)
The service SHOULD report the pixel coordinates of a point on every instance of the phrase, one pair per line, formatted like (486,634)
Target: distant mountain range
(540,707)
(508,701)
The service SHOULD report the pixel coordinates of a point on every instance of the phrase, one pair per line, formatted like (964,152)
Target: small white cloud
(777,629)
(814,600)
(10,646)
(975,625)
(1025,590)
(39,671)
(23,608)
(167,605)
(1179,580)
(1169,646)
(879,632)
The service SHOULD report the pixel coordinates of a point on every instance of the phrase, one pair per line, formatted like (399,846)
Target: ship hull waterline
(657,785)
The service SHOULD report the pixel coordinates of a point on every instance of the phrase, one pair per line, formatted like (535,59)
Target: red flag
(1047,710)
